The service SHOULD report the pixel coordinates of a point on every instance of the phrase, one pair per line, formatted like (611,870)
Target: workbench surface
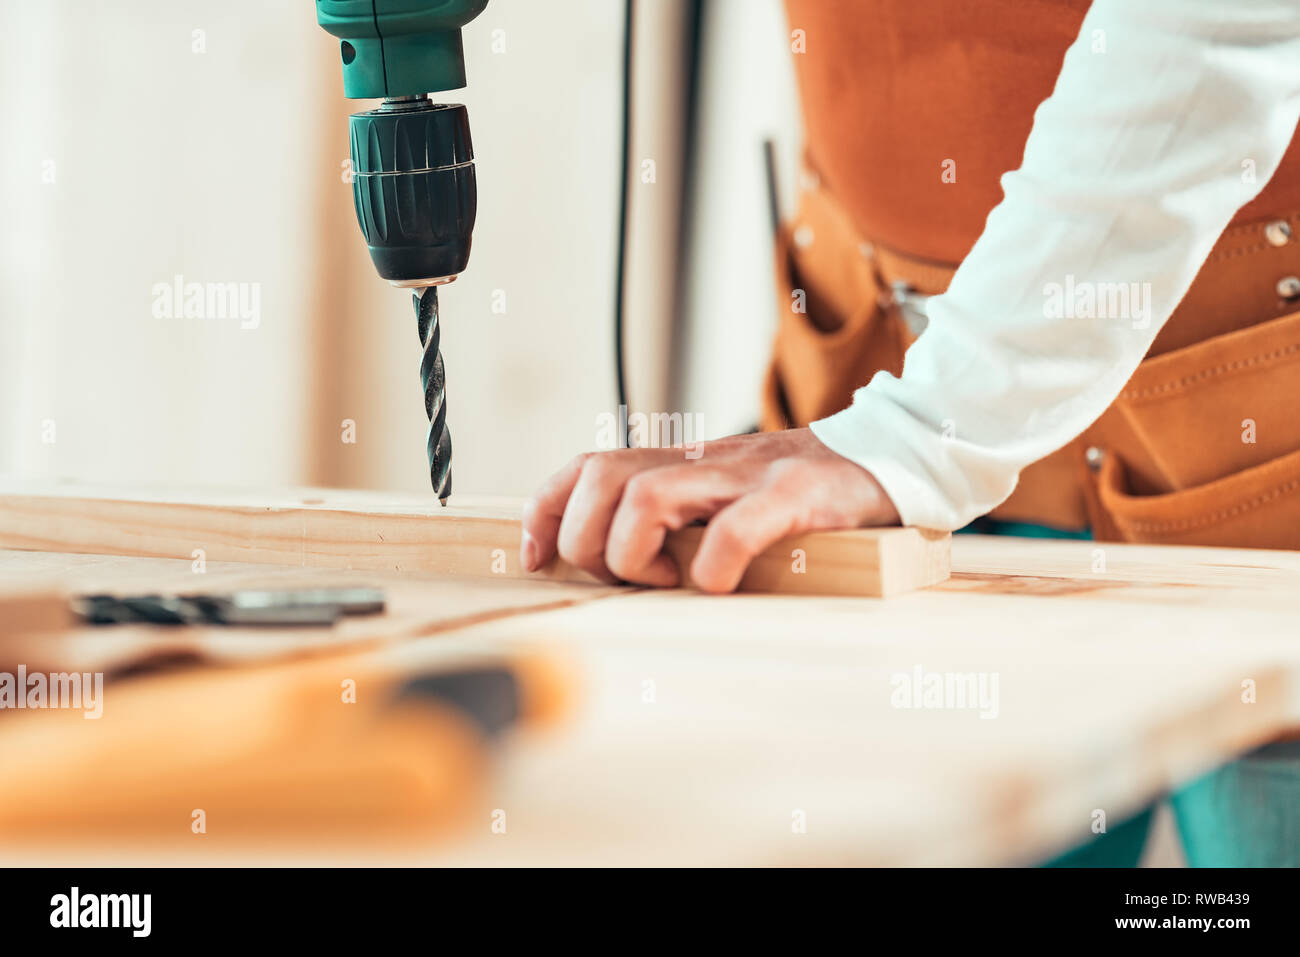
(767,729)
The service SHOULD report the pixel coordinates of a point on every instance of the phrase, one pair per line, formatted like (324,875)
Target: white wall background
(225,166)
(150,147)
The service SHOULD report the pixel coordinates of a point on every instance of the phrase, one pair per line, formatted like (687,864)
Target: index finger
(543,512)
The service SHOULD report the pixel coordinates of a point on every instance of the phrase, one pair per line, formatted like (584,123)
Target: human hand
(608,513)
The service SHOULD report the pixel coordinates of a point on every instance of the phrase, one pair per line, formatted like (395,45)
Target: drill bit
(435,391)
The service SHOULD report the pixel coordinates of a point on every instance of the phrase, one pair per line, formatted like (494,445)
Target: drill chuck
(415,192)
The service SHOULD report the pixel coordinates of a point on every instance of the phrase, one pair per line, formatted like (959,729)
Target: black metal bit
(310,606)
(435,391)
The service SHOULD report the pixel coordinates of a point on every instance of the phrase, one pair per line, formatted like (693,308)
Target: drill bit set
(313,607)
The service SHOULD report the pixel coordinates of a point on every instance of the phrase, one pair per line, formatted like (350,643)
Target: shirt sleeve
(1167,117)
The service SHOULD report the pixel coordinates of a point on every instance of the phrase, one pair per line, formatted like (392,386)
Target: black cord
(620,276)
(773,196)
(687,203)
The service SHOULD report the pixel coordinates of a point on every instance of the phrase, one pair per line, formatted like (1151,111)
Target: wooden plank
(710,721)
(707,722)
(407,533)
(1219,580)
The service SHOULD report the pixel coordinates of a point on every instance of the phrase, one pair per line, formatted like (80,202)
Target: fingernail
(528,552)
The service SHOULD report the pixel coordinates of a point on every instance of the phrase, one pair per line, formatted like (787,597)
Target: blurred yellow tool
(291,755)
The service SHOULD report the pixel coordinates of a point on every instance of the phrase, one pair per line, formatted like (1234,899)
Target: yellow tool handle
(288,755)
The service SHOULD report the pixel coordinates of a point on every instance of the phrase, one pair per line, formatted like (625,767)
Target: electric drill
(413,164)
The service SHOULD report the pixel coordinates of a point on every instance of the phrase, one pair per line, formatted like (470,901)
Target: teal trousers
(1243,814)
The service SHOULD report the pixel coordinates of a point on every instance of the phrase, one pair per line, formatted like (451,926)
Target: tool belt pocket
(832,332)
(1255,508)
(1204,443)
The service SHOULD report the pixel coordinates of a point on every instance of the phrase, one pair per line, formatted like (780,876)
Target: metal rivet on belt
(1094,457)
(803,237)
(1289,288)
(1278,233)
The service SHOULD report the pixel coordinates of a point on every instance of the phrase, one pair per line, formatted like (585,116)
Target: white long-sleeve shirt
(1161,126)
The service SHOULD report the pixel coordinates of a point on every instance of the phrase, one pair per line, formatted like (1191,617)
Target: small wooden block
(873,562)
(366,530)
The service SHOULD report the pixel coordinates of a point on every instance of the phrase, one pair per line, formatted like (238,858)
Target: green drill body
(399,47)
(414,187)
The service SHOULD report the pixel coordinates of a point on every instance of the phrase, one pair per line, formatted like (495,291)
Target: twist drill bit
(435,391)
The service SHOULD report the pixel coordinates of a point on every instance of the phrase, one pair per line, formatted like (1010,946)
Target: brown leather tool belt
(1201,447)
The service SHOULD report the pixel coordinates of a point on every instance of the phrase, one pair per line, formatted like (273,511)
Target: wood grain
(357,530)
(719,719)
(706,724)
